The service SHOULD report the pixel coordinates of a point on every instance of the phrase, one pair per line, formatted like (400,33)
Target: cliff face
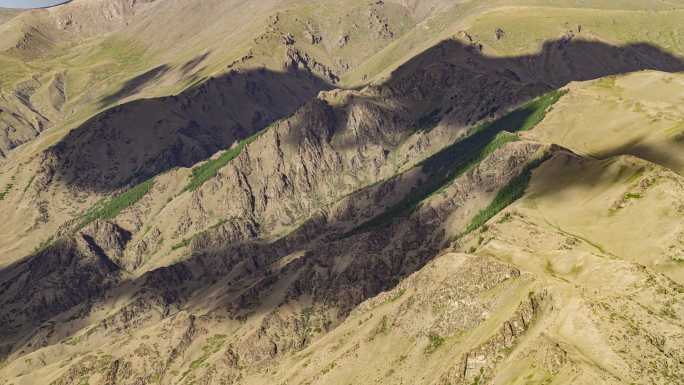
(239,215)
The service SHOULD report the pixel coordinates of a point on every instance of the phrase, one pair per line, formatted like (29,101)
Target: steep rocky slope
(492,203)
(270,68)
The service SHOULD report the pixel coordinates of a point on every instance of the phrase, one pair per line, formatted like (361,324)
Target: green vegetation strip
(510,193)
(44,245)
(186,241)
(211,167)
(33,177)
(464,154)
(6,191)
(111,207)
(214,345)
(7,188)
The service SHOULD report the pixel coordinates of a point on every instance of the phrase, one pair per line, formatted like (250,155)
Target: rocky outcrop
(479,364)
(20,122)
(107,239)
(71,273)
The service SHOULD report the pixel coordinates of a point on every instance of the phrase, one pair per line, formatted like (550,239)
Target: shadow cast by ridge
(454,79)
(132,142)
(456,85)
(135,84)
(452,82)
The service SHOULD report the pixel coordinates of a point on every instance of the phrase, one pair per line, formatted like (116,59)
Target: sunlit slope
(623,207)
(603,238)
(627,200)
(6,14)
(524,28)
(506,28)
(639,114)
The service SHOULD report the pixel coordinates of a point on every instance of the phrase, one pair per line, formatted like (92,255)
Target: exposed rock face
(298,61)
(67,275)
(335,282)
(19,121)
(108,239)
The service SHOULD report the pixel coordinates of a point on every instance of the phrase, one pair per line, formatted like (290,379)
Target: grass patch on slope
(529,114)
(435,341)
(111,207)
(185,242)
(510,193)
(441,169)
(6,191)
(214,345)
(210,168)
(13,70)
(33,177)
(461,156)
(44,245)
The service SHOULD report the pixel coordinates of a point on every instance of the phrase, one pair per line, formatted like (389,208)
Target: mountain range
(342,192)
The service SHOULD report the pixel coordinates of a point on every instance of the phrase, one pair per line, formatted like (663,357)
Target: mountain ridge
(287,214)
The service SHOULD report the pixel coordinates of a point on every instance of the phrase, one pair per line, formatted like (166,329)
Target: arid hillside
(357,192)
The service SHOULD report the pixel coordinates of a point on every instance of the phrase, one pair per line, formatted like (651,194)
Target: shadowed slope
(450,82)
(137,140)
